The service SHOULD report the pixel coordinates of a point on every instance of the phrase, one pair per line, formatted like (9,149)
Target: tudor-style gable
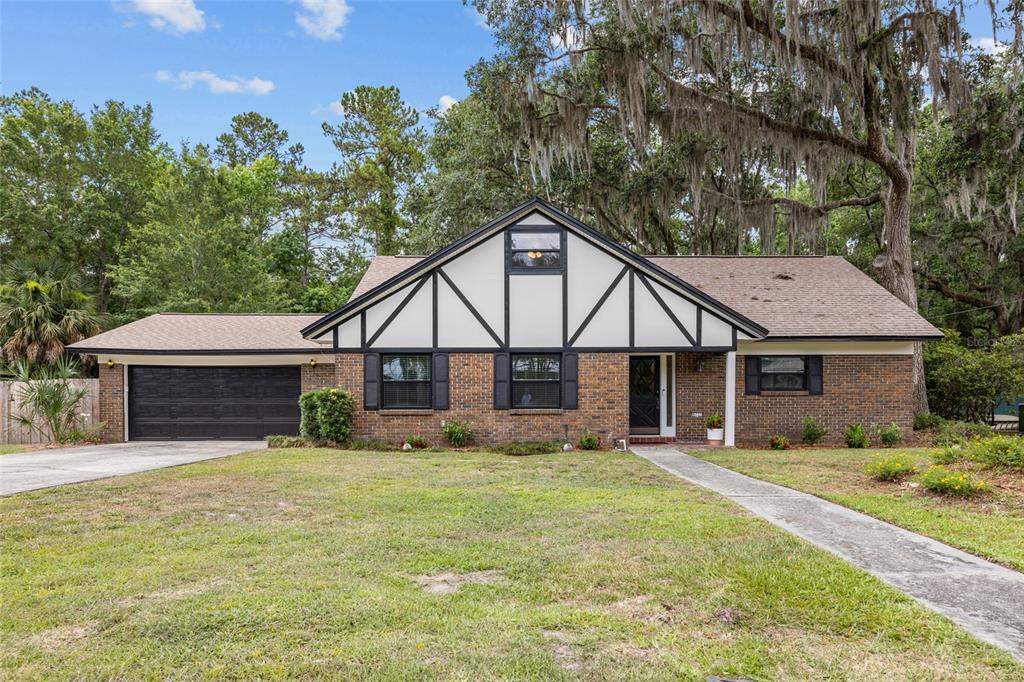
(534,279)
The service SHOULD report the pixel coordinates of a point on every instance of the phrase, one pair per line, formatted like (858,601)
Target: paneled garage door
(170,403)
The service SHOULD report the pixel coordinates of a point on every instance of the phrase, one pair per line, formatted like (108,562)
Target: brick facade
(111,402)
(869,389)
(603,400)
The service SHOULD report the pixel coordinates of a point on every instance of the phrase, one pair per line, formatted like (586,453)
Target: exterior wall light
(110,362)
(312,362)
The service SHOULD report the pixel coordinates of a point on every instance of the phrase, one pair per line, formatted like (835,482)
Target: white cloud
(323,19)
(235,85)
(176,17)
(446,102)
(989,45)
(333,109)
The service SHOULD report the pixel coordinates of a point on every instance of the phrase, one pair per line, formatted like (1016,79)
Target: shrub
(951,432)
(522,448)
(326,414)
(91,434)
(926,421)
(778,443)
(714,421)
(814,432)
(890,467)
(855,436)
(966,382)
(416,442)
(890,435)
(49,403)
(943,481)
(1006,452)
(948,455)
(589,441)
(458,433)
(278,441)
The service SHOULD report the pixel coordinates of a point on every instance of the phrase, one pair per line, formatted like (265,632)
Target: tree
(967,383)
(381,147)
(807,86)
(41,311)
(48,402)
(72,187)
(253,137)
(204,246)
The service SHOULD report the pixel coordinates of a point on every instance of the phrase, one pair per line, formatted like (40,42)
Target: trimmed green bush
(523,448)
(326,414)
(855,436)
(943,481)
(778,443)
(589,441)
(458,433)
(890,435)
(814,432)
(890,467)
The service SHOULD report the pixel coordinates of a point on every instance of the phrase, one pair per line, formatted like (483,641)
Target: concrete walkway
(985,599)
(46,468)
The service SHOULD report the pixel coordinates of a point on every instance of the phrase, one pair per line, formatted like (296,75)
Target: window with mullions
(531,250)
(783,373)
(406,381)
(537,380)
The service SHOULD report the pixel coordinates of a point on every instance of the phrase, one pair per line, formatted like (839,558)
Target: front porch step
(651,440)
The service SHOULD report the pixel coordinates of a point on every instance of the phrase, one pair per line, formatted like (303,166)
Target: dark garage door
(169,403)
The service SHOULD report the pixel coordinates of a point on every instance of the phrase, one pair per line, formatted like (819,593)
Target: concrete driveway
(46,468)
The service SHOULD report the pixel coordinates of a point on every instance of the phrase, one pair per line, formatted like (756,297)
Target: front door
(644,393)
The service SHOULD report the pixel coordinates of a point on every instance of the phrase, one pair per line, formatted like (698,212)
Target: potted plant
(716,432)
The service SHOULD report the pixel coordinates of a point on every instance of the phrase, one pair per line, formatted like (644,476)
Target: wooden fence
(12,432)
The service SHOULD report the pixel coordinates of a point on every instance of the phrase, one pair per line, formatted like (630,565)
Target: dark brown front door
(644,404)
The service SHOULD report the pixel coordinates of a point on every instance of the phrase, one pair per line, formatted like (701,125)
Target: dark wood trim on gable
(672,315)
(465,302)
(600,302)
(397,310)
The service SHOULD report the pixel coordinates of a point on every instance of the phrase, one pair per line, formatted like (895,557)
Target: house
(535,326)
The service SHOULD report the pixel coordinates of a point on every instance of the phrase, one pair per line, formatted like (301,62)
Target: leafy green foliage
(890,435)
(939,479)
(48,401)
(326,414)
(714,421)
(589,440)
(813,432)
(855,436)
(995,452)
(955,432)
(778,443)
(965,383)
(415,441)
(925,421)
(891,467)
(280,441)
(457,432)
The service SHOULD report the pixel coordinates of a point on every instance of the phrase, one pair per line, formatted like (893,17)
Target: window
(783,373)
(531,250)
(406,381)
(536,381)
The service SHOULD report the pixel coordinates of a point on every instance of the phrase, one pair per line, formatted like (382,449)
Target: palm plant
(47,400)
(41,312)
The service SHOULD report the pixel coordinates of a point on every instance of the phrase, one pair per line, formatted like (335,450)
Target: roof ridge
(171,312)
(749,257)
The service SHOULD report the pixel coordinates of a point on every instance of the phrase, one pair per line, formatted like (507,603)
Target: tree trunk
(895,266)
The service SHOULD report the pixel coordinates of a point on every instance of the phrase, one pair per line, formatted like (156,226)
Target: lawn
(11,449)
(353,565)
(990,526)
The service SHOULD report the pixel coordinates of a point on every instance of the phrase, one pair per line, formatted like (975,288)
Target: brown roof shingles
(791,296)
(214,332)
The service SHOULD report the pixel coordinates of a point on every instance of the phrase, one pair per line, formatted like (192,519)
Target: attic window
(535,250)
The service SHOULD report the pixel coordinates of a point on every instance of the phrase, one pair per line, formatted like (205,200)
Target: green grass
(307,564)
(11,449)
(988,526)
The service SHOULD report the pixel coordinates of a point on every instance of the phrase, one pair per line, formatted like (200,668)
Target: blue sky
(200,63)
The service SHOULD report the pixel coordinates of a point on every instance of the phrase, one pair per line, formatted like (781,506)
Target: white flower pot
(716,435)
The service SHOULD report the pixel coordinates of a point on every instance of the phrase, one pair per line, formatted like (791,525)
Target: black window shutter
(371,381)
(815,385)
(751,376)
(502,381)
(570,381)
(440,378)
